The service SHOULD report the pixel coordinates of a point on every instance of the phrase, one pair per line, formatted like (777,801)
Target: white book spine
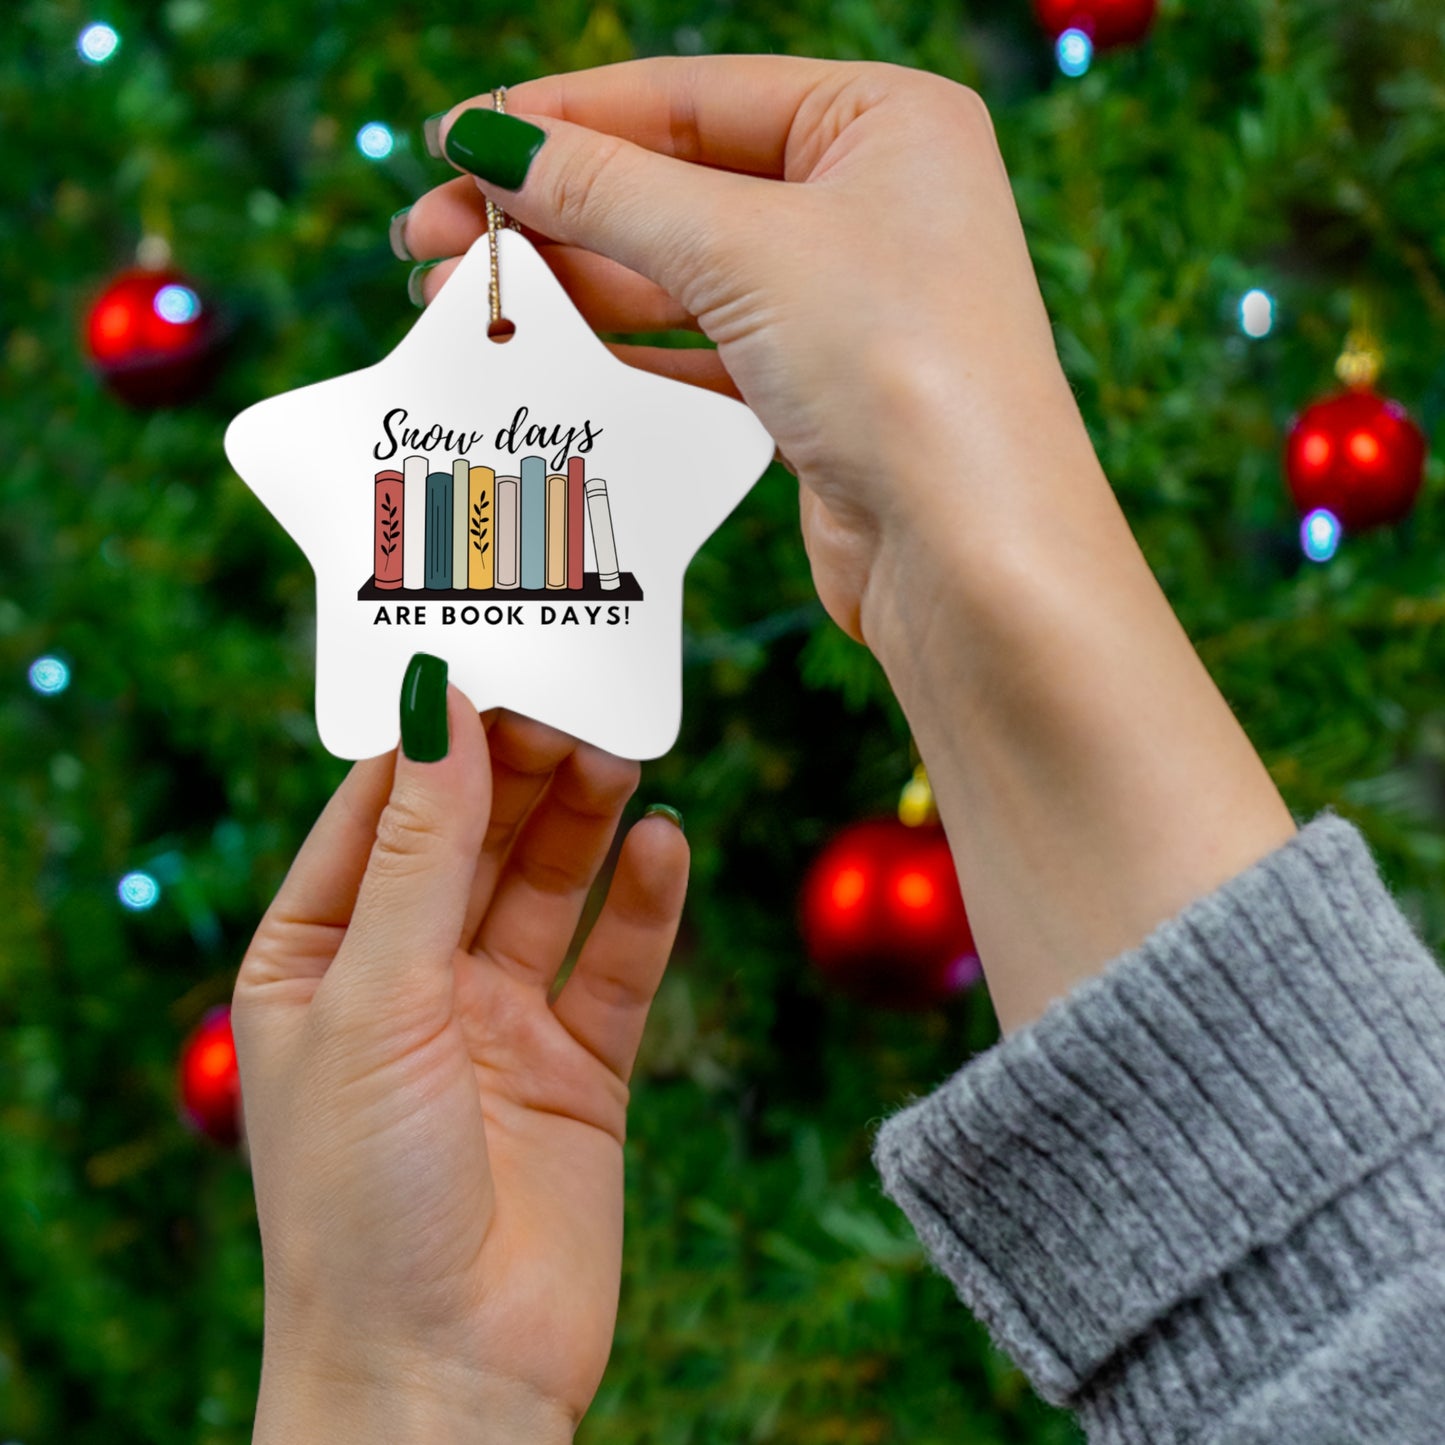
(604,545)
(413,532)
(508,530)
(461,490)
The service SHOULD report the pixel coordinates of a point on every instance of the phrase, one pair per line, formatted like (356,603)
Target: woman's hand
(879,313)
(847,235)
(437,1148)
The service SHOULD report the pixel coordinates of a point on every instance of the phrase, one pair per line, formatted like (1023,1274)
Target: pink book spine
(387,532)
(576,508)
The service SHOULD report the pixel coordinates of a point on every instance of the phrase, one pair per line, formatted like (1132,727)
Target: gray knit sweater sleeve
(1201,1200)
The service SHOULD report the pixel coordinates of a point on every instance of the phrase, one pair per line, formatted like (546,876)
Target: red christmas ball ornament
(1107,23)
(209,1080)
(1359,456)
(883,919)
(152,338)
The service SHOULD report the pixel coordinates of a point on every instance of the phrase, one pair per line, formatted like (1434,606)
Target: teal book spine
(439,530)
(534,522)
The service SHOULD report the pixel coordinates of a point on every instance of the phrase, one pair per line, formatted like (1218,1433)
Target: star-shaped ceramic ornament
(525,510)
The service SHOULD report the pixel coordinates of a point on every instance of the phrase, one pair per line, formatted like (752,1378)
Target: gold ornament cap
(1359,363)
(915,803)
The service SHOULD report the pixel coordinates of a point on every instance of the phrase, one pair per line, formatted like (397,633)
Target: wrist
(989,503)
(399,1402)
(1091,778)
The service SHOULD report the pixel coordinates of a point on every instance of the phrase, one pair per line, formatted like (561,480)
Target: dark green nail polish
(670,813)
(424,736)
(498,148)
(396,234)
(431,133)
(413,282)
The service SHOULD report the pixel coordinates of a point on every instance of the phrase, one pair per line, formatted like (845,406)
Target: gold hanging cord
(498,329)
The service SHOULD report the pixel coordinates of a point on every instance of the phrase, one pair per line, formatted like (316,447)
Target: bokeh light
(1075,52)
(1256,313)
(138,891)
(1319,535)
(1364,448)
(97,43)
(375,140)
(914,889)
(849,886)
(177,304)
(966,969)
(1315,451)
(49,675)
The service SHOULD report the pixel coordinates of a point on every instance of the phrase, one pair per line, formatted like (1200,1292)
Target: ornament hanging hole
(501,330)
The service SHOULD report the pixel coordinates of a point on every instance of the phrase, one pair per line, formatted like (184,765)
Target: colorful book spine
(439,531)
(576,507)
(461,497)
(556,532)
(481,522)
(387,531)
(508,530)
(604,545)
(534,523)
(413,530)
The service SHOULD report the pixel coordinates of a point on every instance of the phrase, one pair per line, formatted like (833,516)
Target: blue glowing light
(49,675)
(1075,52)
(1319,535)
(138,891)
(375,140)
(177,304)
(1256,313)
(97,43)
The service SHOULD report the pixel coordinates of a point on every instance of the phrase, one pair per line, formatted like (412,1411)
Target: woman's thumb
(410,908)
(666,219)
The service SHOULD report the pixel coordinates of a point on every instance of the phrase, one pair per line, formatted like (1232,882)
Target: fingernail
(396,234)
(431,133)
(413,282)
(670,813)
(497,147)
(424,736)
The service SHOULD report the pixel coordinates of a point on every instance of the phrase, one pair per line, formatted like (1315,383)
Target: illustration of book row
(469,529)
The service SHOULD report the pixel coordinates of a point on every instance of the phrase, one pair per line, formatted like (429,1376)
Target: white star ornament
(525,510)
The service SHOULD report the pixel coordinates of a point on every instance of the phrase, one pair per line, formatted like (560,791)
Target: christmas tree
(1212,210)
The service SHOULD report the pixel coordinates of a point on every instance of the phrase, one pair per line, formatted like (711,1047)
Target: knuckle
(975,108)
(705,261)
(888,73)
(548,875)
(617,991)
(684,132)
(406,833)
(607,779)
(935,94)
(575,193)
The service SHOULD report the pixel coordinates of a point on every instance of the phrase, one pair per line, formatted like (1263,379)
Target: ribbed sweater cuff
(1179,1155)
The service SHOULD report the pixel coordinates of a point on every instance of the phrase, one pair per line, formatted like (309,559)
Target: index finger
(733,112)
(310,912)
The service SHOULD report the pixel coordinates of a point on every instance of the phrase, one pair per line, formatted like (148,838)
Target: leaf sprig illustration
(391,528)
(479,527)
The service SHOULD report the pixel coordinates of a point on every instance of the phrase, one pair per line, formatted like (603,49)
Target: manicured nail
(670,813)
(424,736)
(498,148)
(396,234)
(431,133)
(413,282)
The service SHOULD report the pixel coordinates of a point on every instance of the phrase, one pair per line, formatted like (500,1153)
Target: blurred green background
(771,1293)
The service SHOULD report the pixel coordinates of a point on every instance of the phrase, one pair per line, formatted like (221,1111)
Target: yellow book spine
(556,532)
(481,528)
